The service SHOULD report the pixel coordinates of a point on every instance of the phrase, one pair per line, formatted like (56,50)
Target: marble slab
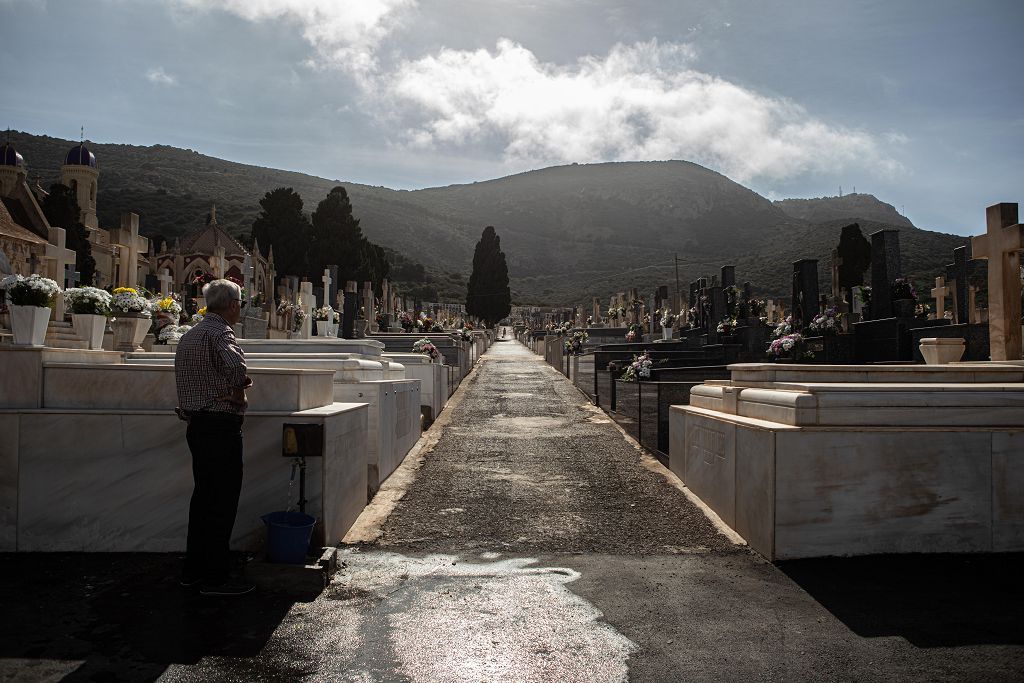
(151,387)
(126,489)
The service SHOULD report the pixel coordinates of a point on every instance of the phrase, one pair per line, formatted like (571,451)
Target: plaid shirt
(208,365)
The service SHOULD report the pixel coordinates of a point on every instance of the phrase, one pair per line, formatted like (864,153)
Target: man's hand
(237,396)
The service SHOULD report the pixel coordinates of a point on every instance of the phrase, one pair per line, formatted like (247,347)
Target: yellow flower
(125,290)
(166,304)
(202,311)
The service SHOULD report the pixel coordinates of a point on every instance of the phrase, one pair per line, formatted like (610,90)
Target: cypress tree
(282,224)
(489,297)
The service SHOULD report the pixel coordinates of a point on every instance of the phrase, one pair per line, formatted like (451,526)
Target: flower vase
(666,333)
(322,328)
(359,328)
(129,331)
(90,327)
(29,324)
(332,330)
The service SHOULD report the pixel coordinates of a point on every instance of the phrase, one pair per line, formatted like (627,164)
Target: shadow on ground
(931,600)
(115,617)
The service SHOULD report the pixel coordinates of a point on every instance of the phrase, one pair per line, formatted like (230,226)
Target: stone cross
(939,293)
(308,304)
(247,277)
(371,306)
(57,256)
(885,267)
(130,244)
(327,288)
(165,280)
(1001,245)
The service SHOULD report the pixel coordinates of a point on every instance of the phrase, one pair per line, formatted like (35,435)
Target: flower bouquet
(298,318)
(639,369)
(88,301)
(574,344)
(668,318)
(33,290)
(327,315)
(425,347)
(172,334)
(792,345)
(89,310)
(783,328)
(903,289)
(127,300)
(634,333)
(30,299)
(826,323)
(727,326)
(405,321)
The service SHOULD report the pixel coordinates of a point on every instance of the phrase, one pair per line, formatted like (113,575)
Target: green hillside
(569,232)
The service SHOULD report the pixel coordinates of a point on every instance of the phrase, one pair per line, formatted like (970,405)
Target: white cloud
(641,101)
(343,33)
(160,77)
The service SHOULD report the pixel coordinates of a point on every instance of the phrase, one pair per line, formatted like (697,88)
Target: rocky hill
(569,232)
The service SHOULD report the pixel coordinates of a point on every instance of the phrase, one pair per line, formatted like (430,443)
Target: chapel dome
(10,157)
(79,155)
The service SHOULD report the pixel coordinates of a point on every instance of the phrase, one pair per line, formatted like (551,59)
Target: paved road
(530,541)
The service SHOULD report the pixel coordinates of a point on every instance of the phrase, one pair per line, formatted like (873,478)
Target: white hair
(219,294)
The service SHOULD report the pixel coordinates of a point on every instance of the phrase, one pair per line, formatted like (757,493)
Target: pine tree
(489,297)
(337,238)
(62,211)
(282,224)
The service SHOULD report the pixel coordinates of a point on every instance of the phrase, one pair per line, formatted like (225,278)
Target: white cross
(1001,245)
(939,293)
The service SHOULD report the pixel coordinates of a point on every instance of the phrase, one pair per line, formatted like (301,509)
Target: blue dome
(9,156)
(80,155)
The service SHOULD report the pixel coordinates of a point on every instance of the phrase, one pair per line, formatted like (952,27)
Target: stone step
(59,325)
(66,343)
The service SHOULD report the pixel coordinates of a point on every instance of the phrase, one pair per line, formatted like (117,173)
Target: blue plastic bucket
(288,535)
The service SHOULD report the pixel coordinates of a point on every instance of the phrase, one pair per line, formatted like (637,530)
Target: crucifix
(939,293)
(1001,245)
(327,287)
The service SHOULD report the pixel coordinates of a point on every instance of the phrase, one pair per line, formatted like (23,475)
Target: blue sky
(918,103)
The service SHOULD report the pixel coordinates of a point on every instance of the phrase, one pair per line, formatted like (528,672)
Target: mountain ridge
(569,232)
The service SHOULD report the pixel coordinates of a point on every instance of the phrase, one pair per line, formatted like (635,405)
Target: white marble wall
(795,492)
(126,488)
(432,377)
(392,422)
(151,386)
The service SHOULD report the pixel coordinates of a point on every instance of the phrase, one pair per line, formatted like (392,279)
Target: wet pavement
(528,540)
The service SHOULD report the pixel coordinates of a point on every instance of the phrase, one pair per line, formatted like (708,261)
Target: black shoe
(227,588)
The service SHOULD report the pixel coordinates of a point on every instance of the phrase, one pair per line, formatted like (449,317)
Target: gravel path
(527,465)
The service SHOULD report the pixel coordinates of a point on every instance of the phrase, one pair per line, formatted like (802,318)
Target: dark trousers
(216,445)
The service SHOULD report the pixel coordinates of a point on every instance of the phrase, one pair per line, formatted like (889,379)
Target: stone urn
(90,327)
(939,351)
(129,331)
(359,328)
(666,333)
(29,324)
(322,327)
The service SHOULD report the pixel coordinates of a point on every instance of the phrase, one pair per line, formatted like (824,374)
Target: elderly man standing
(210,371)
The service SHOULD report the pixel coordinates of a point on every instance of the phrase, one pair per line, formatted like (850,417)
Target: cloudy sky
(916,101)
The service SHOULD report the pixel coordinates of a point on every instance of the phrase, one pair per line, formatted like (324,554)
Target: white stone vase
(129,331)
(29,324)
(90,327)
(666,333)
(939,351)
(321,328)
